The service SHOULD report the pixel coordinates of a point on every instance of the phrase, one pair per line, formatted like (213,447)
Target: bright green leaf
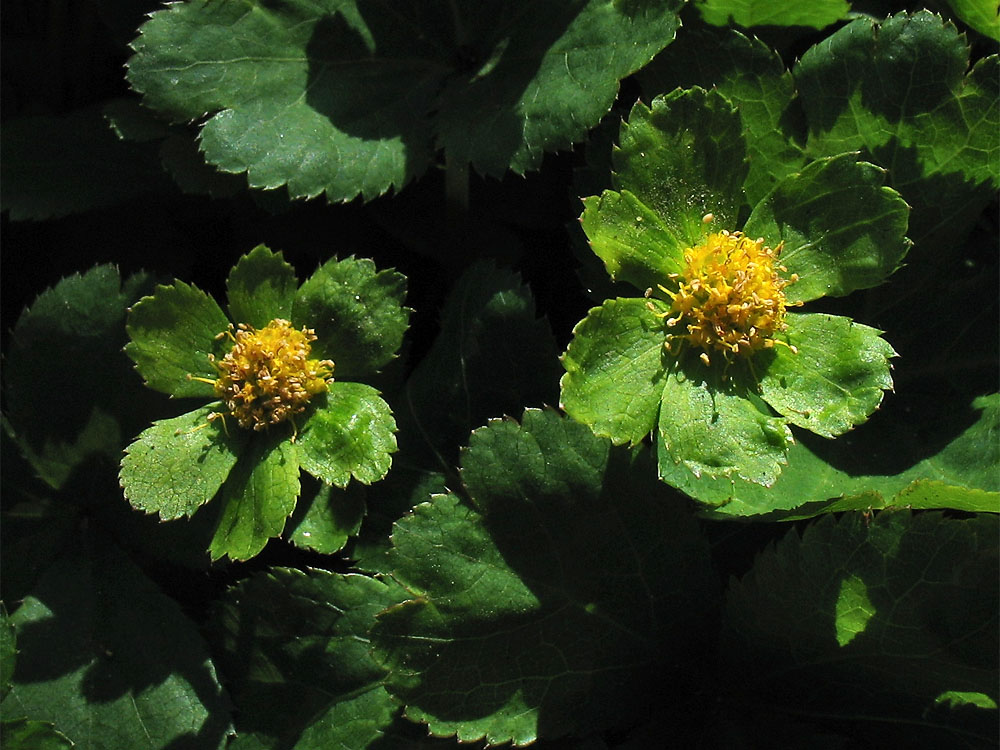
(842,229)
(21,734)
(63,423)
(568,592)
(876,466)
(295,647)
(982,15)
(260,288)
(110,661)
(326,518)
(816,14)
(834,380)
(871,619)
(684,157)
(714,429)
(614,370)
(173,332)
(631,239)
(898,92)
(357,313)
(493,355)
(338,97)
(8,651)
(750,75)
(177,465)
(257,498)
(351,434)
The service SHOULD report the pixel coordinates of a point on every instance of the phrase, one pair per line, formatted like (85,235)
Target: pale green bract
(678,176)
(177,465)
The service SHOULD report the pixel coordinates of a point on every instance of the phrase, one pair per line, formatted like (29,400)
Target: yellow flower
(729,298)
(267,376)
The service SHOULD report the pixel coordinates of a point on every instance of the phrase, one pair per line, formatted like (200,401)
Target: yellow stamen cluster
(268,377)
(729,297)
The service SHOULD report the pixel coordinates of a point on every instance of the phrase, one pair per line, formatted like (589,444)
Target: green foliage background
(515,578)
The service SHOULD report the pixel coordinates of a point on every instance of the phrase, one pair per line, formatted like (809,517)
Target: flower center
(729,298)
(268,377)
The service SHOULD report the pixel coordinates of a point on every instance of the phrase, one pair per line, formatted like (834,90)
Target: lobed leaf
(547,607)
(326,517)
(344,98)
(684,157)
(891,463)
(83,420)
(179,464)
(357,313)
(614,370)
(872,619)
(493,355)
(752,76)
(55,166)
(258,496)
(842,229)
(110,661)
(261,287)
(835,379)
(172,333)
(8,651)
(350,434)
(898,92)
(817,15)
(22,734)
(294,645)
(715,429)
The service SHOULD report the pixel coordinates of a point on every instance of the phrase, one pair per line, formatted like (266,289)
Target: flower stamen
(267,377)
(729,298)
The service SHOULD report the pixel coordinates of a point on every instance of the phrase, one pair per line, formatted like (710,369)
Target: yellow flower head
(268,377)
(729,298)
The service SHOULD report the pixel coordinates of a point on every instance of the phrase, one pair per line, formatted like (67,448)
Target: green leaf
(326,517)
(552,606)
(8,651)
(546,72)
(56,166)
(258,496)
(836,378)
(615,371)
(871,619)
(173,332)
(888,462)
(357,313)
(631,239)
(493,355)
(842,229)
(21,734)
(898,92)
(750,75)
(351,434)
(684,157)
(716,429)
(60,423)
(295,647)
(110,661)
(338,97)
(982,15)
(177,465)
(260,288)
(817,14)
